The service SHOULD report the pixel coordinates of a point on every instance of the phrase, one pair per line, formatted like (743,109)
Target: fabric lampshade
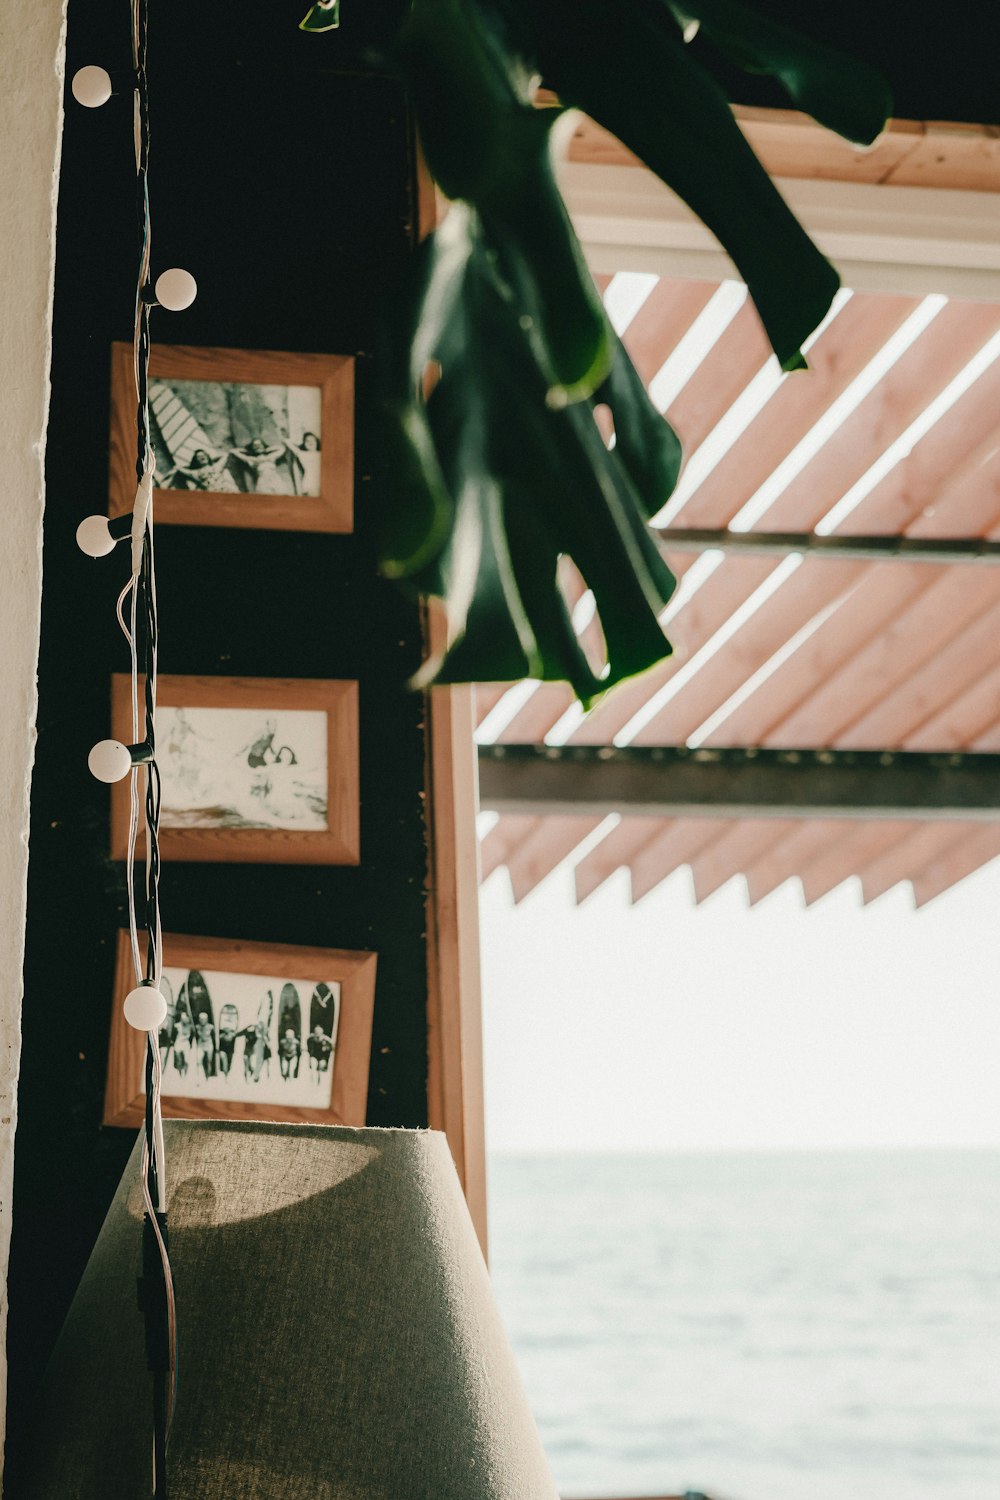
(338,1334)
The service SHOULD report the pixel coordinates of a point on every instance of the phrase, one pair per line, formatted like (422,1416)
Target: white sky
(667,1025)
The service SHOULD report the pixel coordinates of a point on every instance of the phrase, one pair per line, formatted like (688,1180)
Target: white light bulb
(145,1008)
(93,536)
(91,87)
(175,289)
(109,760)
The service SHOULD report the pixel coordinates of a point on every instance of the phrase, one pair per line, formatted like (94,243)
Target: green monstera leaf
(487,145)
(505,481)
(501,350)
(323,16)
(843,93)
(667,109)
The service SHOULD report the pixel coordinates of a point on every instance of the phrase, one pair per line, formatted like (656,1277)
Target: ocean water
(757,1326)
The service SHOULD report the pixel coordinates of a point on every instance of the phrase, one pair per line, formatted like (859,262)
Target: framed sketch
(253,769)
(240,437)
(254,1031)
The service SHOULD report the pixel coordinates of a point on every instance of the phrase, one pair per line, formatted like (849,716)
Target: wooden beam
(454,1014)
(669,781)
(455,1102)
(908,153)
(940,550)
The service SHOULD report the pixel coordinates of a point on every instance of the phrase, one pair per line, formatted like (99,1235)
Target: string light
(110,760)
(175,289)
(91,86)
(93,536)
(145,1007)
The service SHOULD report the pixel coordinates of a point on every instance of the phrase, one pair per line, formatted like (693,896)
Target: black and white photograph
(249,1038)
(245,438)
(236,437)
(252,1031)
(261,770)
(242,768)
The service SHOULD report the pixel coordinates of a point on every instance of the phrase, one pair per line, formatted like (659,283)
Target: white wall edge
(881,238)
(31,92)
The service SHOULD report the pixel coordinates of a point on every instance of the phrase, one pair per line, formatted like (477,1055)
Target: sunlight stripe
(501,714)
(697,574)
(712,646)
(626,293)
(837,413)
(907,441)
(596,836)
(566,724)
(733,424)
(758,678)
(690,350)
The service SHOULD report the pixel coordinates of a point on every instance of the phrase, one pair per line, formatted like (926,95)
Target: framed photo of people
(253,1031)
(240,437)
(252,769)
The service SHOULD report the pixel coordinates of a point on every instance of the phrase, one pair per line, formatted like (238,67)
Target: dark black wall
(941,60)
(281,176)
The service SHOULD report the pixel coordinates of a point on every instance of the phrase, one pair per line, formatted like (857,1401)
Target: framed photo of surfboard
(254,1031)
(260,770)
(240,437)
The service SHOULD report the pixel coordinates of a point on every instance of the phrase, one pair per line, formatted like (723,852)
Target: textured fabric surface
(339,1338)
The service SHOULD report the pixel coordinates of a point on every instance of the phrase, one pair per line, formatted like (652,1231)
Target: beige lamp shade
(338,1334)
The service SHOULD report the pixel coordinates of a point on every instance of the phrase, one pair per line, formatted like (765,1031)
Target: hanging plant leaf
(670,112)
(501,350)
(843,93)
(323,16)
(527,481)
(486,144)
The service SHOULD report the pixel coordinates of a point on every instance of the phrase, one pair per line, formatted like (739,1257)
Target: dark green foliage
(496,480)
(501,349)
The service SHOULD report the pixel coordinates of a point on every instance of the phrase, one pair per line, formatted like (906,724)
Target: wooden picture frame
(331,510)
(352,973)
(339,843)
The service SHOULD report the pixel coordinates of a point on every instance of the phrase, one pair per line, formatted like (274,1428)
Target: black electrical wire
(155,1287)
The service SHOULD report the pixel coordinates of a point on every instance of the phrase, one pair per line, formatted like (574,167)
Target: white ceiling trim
(910,240)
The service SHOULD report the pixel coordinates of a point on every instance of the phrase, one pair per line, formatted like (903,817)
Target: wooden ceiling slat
(537,856)
(676,845)
(746,841)
(793,683)
(898,863)
(730,365)
(969,502)
(708,609)
(839,355)
(907,656)
(663,320)
(845,856)
(535,718)
(958,723)
(912,633)
(488,695)
(895,720)
(616,849)
(787,855)
(817,584)
(934,359)
(507,833)
(975,849)
(987,739)
(915,482)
